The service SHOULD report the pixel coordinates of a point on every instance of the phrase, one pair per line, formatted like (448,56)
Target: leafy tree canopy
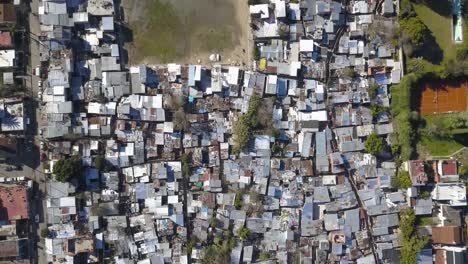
(67,169)
(374,144)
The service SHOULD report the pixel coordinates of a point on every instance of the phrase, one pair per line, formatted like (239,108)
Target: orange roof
(13,203)
(449,167)
(451,235)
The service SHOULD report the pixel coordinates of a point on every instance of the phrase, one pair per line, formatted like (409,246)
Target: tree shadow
(430,50)
(441,7)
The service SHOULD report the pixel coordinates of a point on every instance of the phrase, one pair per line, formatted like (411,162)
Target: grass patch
(439,25)
(440,146)
(158,34)
(425,221)
(176,30)
(443,134)
(214,38)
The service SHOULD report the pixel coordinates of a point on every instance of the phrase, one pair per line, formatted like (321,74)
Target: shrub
(238,200)
(67,169)
(244,233)
(410,242)
(264,256)
(185,160)
(372,90)
(243,128)
(44,232)
(425,194)
(374,144)
(402,180)
(349,72)
(100,162)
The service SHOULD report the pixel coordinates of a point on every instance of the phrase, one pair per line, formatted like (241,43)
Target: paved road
(33,139)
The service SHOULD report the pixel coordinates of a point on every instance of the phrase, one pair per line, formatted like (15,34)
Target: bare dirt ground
(188,31)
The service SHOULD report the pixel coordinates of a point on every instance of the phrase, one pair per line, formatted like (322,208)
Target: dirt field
(443,98)
(188,31)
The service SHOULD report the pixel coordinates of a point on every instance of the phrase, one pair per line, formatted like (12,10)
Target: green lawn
(439,25)
(453,140)
(158,34)
(440,146)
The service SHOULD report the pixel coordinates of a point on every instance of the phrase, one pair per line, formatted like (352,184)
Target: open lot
(443,97)
(187,31)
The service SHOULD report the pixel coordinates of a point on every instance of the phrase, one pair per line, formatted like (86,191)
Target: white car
(37,71)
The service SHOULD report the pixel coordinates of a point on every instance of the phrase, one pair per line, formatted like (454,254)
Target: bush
(402,180)
(44,232)
(238,200)
(416,30)
(372,90)
(67,169)
(349,72)
(244,233)
(377,109)
(410,242)
(243,128)
(374,144)
(100,163)
(213,222)
(45,166)
(401,110)
(425,194)
(264,256)
(192,242)
(218,253)
(185,160)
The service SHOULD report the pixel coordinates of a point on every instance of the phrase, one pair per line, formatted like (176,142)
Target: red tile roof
(5,39)
(13,203)
(449,167)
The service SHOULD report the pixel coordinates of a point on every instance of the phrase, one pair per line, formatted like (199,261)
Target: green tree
(238,200)
(44,232)
(246,124)
(67,169)
(410,242)
(244,233)
(185,160)
(264,256)
(218,253)
(100,162)
(349,72)
(192,242)
(425,194)
(213,222)
(372,90)
(402,180)
(377,109)
(374,144)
